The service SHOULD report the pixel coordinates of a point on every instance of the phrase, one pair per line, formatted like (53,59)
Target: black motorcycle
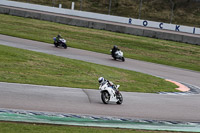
(60,43)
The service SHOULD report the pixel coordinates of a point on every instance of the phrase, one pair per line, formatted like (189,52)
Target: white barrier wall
(145,23)
(165,26)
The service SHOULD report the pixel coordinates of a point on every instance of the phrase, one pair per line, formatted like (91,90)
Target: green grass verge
(23,66)
(6,127)
(142,48)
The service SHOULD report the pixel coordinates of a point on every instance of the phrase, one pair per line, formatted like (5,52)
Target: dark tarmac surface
(183,108)
(167,72)
(79,101)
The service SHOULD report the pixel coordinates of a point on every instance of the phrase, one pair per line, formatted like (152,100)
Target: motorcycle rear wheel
(114,57)
(123,59)
(55,44)
(105,97)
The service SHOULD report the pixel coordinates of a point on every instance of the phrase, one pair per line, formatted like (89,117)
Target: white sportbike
(109,94)
(118,55)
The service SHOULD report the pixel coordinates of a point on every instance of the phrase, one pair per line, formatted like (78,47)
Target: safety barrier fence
(145,23)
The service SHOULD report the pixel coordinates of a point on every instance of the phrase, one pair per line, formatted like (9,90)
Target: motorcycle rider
(58,38)
(103,81)
(114,49)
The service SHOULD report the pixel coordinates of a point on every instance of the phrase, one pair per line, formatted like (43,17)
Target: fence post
(53,3)
(110,7)
(172,11)
(60,5)
(140,9)
(73,4)
(81,5)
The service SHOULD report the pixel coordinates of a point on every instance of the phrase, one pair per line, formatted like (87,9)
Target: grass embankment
(155,10)
(36,128)
(23,66)
(142,48)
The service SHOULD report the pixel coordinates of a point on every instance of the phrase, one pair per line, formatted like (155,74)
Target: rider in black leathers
(114,49)
(58,38)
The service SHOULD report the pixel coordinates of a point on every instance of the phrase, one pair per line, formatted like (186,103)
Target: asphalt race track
(167,72)
(84,101)
(88,102)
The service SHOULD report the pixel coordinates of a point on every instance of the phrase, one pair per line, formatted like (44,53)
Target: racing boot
(116,90)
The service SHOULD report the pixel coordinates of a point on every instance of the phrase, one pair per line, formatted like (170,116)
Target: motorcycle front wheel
(105,97)
(65,46)
(120,98)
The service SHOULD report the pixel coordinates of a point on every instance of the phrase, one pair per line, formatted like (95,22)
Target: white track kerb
(145,23)
(94,121)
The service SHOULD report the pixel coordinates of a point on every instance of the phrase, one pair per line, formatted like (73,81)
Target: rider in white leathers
(103,81)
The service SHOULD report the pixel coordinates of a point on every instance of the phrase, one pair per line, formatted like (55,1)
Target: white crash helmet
(101,80)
